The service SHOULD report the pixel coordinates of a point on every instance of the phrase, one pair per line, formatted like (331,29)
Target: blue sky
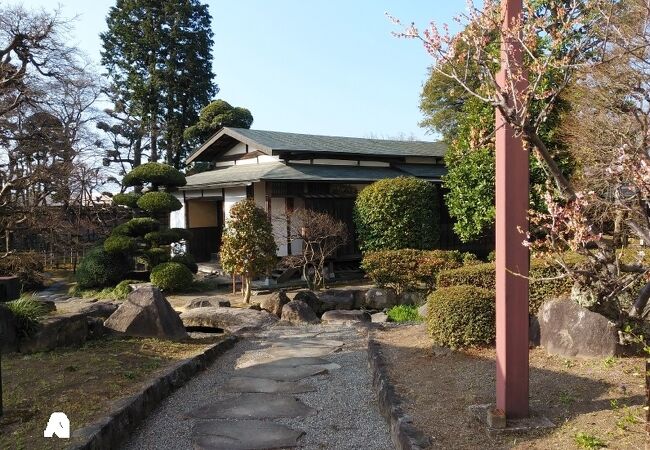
(322,67)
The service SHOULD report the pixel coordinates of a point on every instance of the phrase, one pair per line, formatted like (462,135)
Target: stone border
(402,431)
(110,431)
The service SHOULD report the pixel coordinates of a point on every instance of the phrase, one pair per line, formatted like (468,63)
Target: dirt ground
(81,382)
(592,402)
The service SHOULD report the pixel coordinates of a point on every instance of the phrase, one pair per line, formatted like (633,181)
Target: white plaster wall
(232,196)
(177,218)
(237,149)
(296,246)
(259,194)
(279,222)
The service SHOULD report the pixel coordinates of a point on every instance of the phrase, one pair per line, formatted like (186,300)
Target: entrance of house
(205,221)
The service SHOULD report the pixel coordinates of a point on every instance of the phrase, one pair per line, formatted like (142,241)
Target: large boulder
(346,317)
(203,302)
(297,312)
(99,309)
(8,330)
(230,320)
(336,299)
(64,330)
(311,299)
(147,313)
(380,299)
(413,298)
(274,303)
(569,330)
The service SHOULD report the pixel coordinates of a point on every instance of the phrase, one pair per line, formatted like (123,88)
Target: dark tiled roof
(248,173)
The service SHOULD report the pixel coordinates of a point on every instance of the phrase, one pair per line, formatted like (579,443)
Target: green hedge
(171,277)
(408,269)
(99,269)
(129,199)
(120,244)
(483,275)
(166,237)
(137,227)
(461,316)
(157,255)
(397,213)
(157,202)
(188,261)
(155,173)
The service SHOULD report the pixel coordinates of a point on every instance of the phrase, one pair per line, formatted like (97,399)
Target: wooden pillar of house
(512,258)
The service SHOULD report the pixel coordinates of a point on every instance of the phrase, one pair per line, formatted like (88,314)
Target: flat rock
(295,362)
(379,298)
(307,343)
(379,317)
(336,299)
(99,309)
(203,302)
(243,435)
(253,406)
(231,320)
(56,331)
(295,352)
(280,373)
(345,317)
(265,386)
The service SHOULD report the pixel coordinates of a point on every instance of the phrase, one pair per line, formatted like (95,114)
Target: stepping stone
(265,386)
(310,352)
(285,362)
(254,406)
(281,373)
(306,343)
(243,435)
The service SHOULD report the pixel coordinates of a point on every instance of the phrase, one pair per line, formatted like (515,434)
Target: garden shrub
(27,266)
(27,310)
(137,226)
(171,277)
(157,202)
(120,244)
(122,290)
(154,173)
(129,199)
(101,269)
(461,316)
(408,269)
(156,255)
(397,213)
(483,275)
(166,237)
(470,259)
(187,260)
(404,313)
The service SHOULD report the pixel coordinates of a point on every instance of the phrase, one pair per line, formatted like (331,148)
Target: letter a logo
(59,425)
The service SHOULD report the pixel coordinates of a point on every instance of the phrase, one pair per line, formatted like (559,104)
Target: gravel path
(347,415)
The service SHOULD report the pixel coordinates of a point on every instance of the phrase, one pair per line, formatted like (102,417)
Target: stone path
(290,387)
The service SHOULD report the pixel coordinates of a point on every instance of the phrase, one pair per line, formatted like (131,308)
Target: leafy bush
(171,276)
(461,316)
(155,173)
(27,311)
(129,199)
(470,259)
(397,213)
(27,266)
(187,260)
(101,269)
(157,255)
(166,237)
(156,202)
(404,313)
(137,227)
(122,289)
(407,269)
(120,244)
(483,275)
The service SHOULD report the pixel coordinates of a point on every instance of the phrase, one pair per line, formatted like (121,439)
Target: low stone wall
(111,431)
(402,431)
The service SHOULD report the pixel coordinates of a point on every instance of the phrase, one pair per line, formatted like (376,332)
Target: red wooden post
(511,256)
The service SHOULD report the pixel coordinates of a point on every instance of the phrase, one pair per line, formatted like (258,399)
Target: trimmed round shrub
(188,261)
(136,227)
(120,244)
(100,269)
(166,237)
(156,202)
(155,173)
(129,199)
(122,290)
(462,316)
(171,276)
(157,255)
(397,213)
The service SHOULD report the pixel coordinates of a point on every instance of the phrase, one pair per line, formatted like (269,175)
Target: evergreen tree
(158,57)
(216,115)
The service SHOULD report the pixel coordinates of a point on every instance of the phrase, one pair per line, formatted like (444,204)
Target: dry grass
(593,398)
(82,382)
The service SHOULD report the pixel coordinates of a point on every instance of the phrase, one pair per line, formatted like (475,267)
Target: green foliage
(129,199)
(27,310)
(120,245)
(187,260)
(137,227)
(247,245)
(470,259)
(101,269)
(404,313)
(166,237)
(171,277)
(483,275)
(155,173)
(122,290)
(397,213)
(156,202)
(408,269)
(588,441)
(462,316)
(157,255)
(216,115)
